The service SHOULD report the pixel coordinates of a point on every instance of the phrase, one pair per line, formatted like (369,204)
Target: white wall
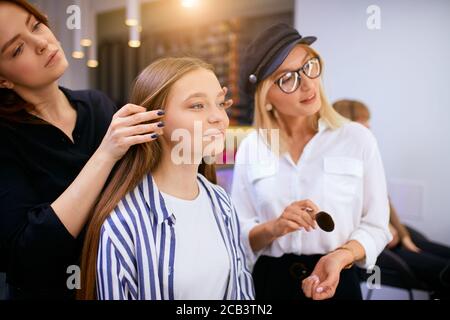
(402,73)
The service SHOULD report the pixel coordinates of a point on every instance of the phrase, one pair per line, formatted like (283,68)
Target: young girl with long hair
(162,229)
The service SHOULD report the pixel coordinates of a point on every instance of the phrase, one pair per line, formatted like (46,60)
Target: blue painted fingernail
(161,124)
(161,113)
(155,136)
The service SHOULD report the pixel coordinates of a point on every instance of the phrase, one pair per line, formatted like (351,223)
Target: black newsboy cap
(266,53)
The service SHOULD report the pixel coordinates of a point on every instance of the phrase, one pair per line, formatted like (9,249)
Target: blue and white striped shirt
(136,252)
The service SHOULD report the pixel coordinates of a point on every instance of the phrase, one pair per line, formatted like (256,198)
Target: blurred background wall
(401,71)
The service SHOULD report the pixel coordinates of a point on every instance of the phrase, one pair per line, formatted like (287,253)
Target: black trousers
(280,278)
(15,293)
(431,265)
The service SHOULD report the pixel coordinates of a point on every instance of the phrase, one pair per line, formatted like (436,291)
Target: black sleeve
(104,109)
(32,238)
(103,102)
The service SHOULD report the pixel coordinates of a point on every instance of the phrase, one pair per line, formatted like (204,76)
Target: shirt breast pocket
(342,178)
(263,183)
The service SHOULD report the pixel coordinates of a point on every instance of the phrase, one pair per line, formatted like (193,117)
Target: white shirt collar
(323,125)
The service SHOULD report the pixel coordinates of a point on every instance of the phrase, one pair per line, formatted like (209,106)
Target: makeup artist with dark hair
(57,149)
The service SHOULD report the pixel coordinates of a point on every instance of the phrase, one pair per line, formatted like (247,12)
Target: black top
(37,164)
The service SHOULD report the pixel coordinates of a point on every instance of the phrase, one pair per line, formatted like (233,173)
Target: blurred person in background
(430,261)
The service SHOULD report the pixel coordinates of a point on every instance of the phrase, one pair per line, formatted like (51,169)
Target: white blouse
(340,170)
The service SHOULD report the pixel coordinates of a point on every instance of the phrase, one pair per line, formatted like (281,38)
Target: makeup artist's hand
(129,126)
(324,279)
(299,214)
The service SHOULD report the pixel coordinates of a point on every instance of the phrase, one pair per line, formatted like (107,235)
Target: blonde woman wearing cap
(333,163)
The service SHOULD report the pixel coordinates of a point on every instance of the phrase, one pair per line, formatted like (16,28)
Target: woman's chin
(307,110)
(64,65)
(56,73)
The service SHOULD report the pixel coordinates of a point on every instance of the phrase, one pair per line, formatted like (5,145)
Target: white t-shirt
(202,265)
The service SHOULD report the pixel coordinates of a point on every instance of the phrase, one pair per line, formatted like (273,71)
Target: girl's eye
(197,106)
(36,26)
(18,51)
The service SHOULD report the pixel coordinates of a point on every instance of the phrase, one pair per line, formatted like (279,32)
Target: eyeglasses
(290,81)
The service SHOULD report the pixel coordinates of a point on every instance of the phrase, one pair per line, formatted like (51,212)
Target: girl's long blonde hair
(265,119)
(150,90)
